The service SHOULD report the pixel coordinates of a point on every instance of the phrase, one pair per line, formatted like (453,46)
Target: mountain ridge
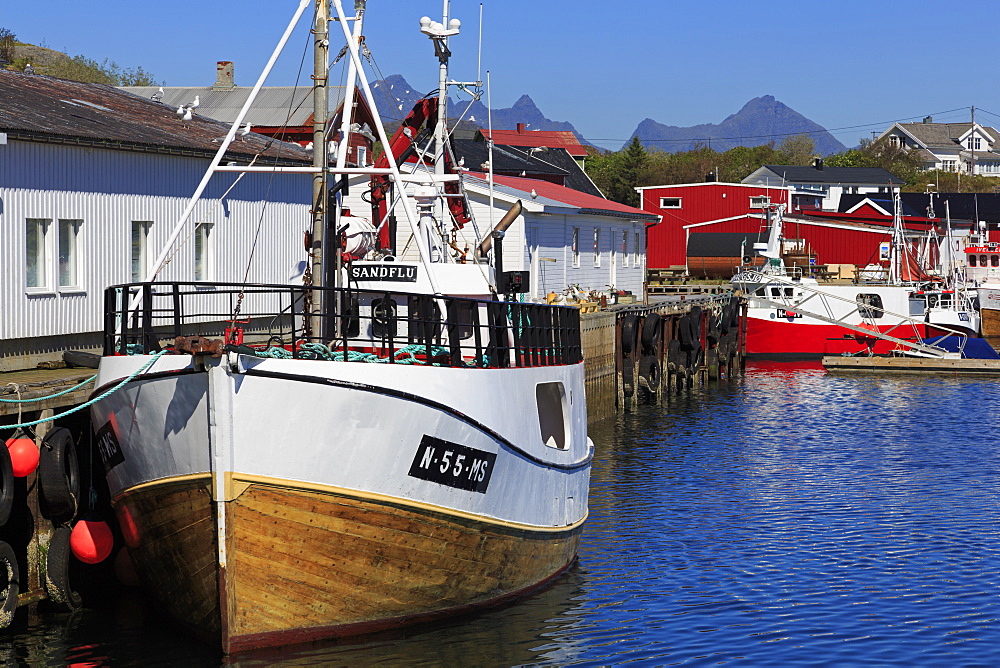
(759,121)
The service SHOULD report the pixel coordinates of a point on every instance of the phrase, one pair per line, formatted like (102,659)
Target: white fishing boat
(293,462)
(794,316)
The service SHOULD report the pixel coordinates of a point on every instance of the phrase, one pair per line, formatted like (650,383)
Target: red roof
(570,197)
(537,138)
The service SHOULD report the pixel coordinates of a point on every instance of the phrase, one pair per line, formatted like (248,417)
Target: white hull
(352,426)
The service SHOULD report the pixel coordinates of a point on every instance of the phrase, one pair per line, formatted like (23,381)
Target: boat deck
(912,365)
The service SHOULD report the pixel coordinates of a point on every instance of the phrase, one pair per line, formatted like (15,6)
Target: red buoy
(91,541)
(23,456)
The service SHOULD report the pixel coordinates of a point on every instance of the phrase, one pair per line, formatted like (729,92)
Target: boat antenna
(489,143)
(479,55)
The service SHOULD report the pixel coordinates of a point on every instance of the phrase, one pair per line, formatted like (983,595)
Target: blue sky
(852,66)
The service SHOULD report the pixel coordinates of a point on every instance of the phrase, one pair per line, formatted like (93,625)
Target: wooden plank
(303,558)
(912,365)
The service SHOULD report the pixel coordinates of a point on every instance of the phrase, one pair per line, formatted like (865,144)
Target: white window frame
(139,261)
(42,255)
(625,248)
(68,250)
(576,246)
(759,201)
(362,156)
(671,202)
(204,257)
(638,243)
(597,247)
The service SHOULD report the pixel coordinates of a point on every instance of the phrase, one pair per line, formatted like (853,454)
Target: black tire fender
(649,375)
(10,577)
(651,333)
(6,486)
(57,584)
(59,476)
(628,333)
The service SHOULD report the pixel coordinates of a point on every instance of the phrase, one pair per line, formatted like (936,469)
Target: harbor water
(785,517)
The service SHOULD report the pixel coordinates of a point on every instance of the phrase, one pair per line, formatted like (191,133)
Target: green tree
(8,40)
(797,150)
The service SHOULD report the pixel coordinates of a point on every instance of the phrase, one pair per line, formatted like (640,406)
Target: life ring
(57,561)
(59,476)
(9,572)
(628,334)
(650,333)
(6,486)
(649,376)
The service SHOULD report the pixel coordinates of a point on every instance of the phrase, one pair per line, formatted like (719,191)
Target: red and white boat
(793,316)
(982,262)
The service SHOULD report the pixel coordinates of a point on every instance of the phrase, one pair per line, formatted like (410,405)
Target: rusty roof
(35,107)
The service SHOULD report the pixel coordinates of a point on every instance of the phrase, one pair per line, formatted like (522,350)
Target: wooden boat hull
(303,564)
(264,504)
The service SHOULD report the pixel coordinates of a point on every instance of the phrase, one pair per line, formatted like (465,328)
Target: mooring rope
(19,400)
(93,401)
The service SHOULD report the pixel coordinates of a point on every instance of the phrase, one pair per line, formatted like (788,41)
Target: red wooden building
(708,228)
(702,208)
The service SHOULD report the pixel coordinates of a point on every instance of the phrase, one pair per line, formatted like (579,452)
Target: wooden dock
(912,365)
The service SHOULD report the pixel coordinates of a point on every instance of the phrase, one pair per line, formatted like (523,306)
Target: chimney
(928,119)
(520,128)
(818,164)
(224,76)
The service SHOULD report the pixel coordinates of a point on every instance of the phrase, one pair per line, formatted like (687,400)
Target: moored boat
(290,463)
(793,316)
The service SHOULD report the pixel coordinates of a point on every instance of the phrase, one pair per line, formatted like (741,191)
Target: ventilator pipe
(508,219)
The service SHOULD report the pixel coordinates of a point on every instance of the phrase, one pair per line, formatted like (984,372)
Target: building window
(975,144)
(140,262)
(759,202)
(69,253)
(948,165)
(362,156)
(597,247)
(576,246)
(636,250)
(625,248)
(37,253)
(670,202)
(203,252)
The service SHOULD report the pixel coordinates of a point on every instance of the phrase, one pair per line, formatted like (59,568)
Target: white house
(93,182)
(824,185)
(951,147)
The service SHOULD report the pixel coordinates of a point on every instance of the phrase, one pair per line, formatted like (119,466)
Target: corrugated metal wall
(107,190)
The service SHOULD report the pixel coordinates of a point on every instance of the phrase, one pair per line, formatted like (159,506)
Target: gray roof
(35,107)
(944,135)
(791,174)
(275,106)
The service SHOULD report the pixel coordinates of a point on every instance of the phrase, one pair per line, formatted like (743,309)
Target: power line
(787,134)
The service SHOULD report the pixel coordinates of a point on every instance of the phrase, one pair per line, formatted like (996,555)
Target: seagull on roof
(28,69)
(158,95)
(181,109)
(187,114)
(196,103)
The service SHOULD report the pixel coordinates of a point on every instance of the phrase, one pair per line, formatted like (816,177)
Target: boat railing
(357,325)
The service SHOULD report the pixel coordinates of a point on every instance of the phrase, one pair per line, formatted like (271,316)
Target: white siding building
(94,180)
(563,237)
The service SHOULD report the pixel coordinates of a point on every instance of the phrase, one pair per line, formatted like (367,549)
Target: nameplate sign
(384,272)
